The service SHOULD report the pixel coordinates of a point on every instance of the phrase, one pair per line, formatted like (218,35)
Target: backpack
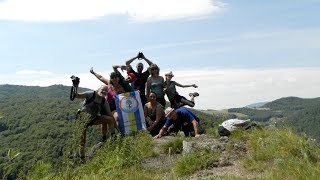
(90,100)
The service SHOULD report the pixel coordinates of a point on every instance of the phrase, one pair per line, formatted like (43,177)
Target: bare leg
(83,143)
(116,118)
(105,121)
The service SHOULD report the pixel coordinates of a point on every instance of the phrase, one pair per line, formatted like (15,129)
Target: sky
(237,52)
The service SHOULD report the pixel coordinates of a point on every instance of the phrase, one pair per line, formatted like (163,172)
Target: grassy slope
(124,170)
(272,154)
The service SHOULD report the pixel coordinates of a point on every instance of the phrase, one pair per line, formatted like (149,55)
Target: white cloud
(33,72)
(136,10)
(218,88)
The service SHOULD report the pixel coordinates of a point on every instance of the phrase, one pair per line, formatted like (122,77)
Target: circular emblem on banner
(128,104)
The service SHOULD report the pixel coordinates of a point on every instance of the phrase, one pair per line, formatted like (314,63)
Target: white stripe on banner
(130,112)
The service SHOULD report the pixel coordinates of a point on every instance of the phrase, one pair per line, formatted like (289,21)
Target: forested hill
(55,91)
(293,104)
(300,113)
(303,114)
(38,122)
(35,121)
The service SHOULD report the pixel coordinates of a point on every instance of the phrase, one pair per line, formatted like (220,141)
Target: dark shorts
(156,129)
(176,103)
(223,131)
(91,119)
(162,101)
(187,128)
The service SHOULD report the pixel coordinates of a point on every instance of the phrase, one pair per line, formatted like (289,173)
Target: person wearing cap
(176,100)
(141,77)
(130,78)
(183,120)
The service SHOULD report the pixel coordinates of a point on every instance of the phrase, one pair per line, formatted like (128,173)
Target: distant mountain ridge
(256,105)
(303,114)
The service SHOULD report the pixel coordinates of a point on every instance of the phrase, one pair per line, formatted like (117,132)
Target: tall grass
(175,146)
(276,153)
(115,158)
(189,163)
(282,154)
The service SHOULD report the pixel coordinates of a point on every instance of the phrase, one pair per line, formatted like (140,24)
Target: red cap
(132,76)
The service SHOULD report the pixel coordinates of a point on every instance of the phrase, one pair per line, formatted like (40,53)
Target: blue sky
(229,48)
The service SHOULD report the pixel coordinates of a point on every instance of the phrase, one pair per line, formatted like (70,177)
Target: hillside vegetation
(299,113)
(39,123)
(37,134)
(268,153)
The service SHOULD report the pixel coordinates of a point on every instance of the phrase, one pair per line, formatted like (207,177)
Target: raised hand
(91,70)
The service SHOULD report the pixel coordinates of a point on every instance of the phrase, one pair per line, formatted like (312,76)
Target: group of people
(101,107)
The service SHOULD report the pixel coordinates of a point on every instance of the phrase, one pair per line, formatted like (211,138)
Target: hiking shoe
(82,160)
(195,94)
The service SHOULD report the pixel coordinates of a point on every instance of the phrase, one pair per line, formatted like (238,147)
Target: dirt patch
(234,170)
(228,166)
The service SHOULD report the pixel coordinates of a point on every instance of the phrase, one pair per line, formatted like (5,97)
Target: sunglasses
(153,69)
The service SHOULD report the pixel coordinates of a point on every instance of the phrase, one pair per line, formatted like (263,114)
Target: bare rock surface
(228,164)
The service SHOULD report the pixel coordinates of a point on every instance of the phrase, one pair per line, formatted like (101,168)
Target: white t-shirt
(230,124)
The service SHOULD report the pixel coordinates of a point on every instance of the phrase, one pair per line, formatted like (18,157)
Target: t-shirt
(94,107)
(171,89)
(140,82)
(156,86)
(183,116)
(230,124)
(110,98)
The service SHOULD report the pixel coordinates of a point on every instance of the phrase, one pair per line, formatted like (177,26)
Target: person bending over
(183,120)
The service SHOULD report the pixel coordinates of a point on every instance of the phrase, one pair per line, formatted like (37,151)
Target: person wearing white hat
(176,100)
(183,120)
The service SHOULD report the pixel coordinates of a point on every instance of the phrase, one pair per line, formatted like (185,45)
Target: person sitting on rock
(154,114)
(182,119)
(225,128)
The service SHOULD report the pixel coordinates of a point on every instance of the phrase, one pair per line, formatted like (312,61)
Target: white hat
(169,74)
(168,111)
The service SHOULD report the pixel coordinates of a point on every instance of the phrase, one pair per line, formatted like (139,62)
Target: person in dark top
(176,100)
(141,77)
(183,120)
(154,114)
(99,111)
